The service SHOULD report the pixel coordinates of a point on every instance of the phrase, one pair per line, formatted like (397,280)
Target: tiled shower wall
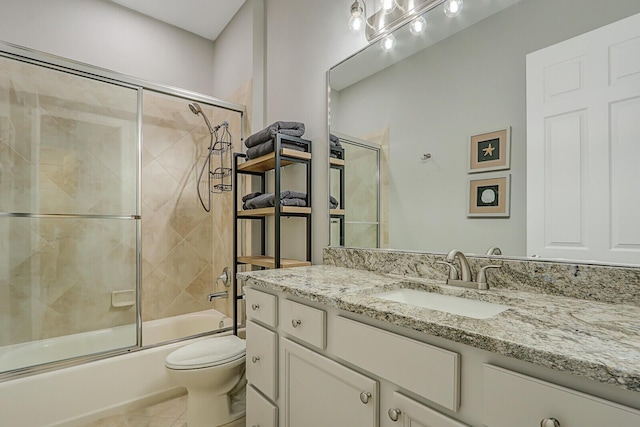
(184,248)
(68,145)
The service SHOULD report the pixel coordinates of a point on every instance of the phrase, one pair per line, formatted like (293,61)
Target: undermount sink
(447,303)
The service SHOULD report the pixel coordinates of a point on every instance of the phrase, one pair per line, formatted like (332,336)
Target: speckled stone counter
(597,340)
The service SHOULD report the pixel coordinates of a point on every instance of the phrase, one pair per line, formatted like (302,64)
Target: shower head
(195,109)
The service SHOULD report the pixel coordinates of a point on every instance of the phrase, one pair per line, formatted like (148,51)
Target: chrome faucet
(465,270)
(216,295)
(465,279)
(494,250)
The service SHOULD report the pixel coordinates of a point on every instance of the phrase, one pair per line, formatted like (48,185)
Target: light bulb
(452,8)
(418,25)
(387,5)
(356,23)
(388,42)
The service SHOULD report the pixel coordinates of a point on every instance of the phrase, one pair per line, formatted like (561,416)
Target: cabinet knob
(255,307)
(394,414)
(295,323)
(364,397)
(255,359)
(549,422)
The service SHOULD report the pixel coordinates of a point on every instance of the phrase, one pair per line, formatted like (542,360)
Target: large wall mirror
(455,93)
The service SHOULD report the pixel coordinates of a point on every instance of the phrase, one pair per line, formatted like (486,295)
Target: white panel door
(583,146)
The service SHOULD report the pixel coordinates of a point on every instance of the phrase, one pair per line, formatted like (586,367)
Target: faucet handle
(482,276)
(453,271)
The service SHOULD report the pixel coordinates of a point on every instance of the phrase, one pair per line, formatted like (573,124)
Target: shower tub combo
(109,239)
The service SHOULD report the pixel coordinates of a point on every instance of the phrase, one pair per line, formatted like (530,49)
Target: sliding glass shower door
(69,154)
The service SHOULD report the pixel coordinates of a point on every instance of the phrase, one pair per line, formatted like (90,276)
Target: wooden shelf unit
(259,167)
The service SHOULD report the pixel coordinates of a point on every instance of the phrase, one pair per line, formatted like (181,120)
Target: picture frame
(490,151)
(490,196)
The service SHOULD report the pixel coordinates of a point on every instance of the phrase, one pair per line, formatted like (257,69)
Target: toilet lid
(207,353)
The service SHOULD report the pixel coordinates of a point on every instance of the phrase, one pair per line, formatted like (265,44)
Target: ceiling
(206,18)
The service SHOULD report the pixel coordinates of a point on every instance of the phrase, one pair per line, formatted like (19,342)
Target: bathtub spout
(217,295)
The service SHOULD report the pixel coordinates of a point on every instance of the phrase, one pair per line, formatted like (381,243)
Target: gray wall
(107,35)
(435,100)
(304,38)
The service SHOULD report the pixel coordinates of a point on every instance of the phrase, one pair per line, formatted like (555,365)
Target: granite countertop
(596,340)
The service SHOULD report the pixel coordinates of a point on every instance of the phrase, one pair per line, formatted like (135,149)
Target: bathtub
(80,394)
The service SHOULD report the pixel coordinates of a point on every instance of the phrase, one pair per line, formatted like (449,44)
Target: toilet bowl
(212,371)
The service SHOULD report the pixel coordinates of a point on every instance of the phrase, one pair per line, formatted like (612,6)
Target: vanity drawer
(262,359)
(260,412)
(512,399)
(303,322)
(262,307)
(421,368)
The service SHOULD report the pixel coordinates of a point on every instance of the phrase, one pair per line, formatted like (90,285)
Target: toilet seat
(207,353)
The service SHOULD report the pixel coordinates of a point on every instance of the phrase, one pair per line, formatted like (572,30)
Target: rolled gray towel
(334,141)
(333,202)
(287,128)
(267,147)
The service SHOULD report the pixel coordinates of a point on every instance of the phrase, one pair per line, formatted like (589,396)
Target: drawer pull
(255,359)
(295,323)
(549,422)
(255,307)
(394,414)
(365,397)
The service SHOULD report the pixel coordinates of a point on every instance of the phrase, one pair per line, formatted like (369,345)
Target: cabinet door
(406,412)
(260,412)
(262,359)
(512,399)
(319,392)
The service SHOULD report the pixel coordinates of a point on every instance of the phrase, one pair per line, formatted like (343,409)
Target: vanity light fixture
(392,14)
(418,25)
(388,42)
(452,8)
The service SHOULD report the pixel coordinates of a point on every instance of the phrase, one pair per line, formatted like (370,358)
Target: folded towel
(266,200)
(251,195)
(333,202)
(267,147)
(287,128)
(334,141)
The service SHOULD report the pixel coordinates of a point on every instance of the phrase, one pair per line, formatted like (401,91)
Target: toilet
(212,371)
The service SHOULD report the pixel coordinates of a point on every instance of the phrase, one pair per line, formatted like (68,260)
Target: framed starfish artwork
(490,151)
(489,195)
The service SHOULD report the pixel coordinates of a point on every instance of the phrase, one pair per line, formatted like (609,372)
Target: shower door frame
(367,145)
(57,63)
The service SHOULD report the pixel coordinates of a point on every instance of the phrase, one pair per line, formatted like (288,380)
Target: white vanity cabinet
(329,370)
(513,399)
(314,387)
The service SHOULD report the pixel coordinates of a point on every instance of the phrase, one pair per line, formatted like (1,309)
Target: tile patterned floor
(170,413)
